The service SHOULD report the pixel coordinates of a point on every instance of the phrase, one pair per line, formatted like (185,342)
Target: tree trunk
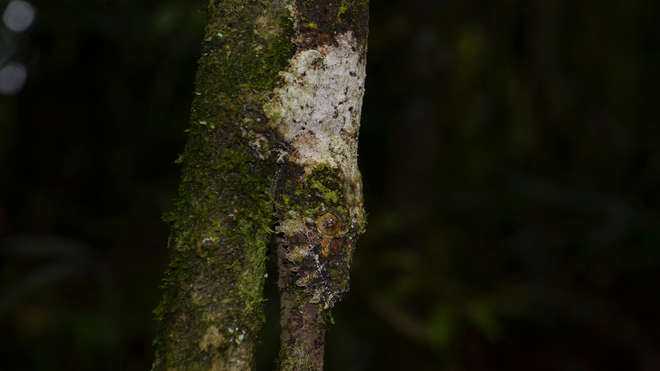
(272,142)
(319,195)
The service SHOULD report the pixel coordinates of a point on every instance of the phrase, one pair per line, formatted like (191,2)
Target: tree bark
(272,143)
(319,188)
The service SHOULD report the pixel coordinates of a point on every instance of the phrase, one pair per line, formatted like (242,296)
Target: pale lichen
(317,109)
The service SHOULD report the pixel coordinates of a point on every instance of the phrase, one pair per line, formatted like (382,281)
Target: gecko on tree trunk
(272,145)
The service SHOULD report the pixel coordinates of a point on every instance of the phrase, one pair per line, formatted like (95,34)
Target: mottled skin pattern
(318,194)
(315,247)
(248,170)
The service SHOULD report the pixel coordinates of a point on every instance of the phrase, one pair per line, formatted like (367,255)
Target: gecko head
(328,225)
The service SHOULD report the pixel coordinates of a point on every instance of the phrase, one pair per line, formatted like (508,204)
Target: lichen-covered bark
(319,206)
(272,144)
(211,313)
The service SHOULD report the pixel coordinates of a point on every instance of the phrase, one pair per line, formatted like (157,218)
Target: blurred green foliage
(511,166)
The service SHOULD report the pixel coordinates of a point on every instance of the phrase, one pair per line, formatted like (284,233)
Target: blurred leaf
(443,325)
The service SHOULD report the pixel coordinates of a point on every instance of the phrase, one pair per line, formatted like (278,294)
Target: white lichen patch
(209,239)
(317,109)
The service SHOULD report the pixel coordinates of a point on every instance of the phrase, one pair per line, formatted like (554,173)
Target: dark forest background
(511,159)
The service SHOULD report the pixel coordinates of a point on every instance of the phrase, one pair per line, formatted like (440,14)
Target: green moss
(327,194)
(222,219)
(252,50)
(286,200)
(342,9)
(315,194)
(223,216)
(328,184)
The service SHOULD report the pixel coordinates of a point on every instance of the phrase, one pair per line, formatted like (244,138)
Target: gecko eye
(328,224)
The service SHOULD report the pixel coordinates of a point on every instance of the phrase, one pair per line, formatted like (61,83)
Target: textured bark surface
(319,205)
(302,322)
(272,145)
(211,311)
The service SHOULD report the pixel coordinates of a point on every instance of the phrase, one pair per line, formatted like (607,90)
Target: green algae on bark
(272,144)
(211,314)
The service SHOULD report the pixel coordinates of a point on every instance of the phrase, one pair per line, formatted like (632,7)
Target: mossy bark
(211,311)
(272,145)
(318,196)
